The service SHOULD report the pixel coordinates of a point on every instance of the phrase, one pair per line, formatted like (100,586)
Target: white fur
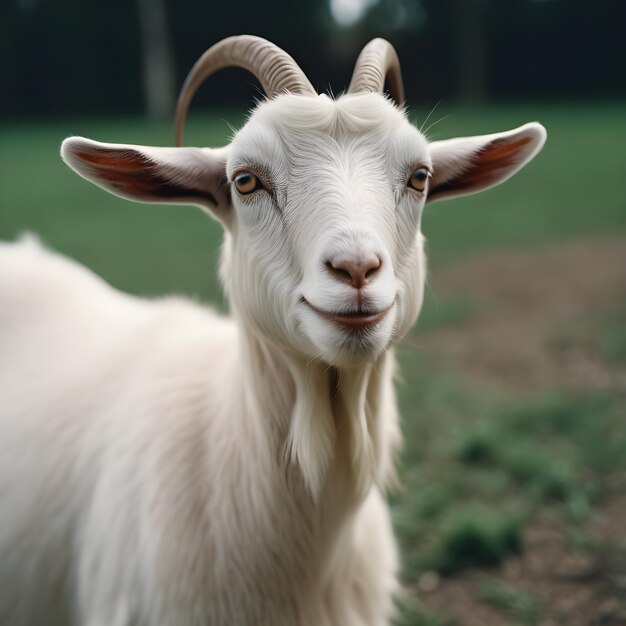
(161,465)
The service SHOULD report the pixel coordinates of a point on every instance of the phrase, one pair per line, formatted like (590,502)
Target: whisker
(428,117)
(441,119)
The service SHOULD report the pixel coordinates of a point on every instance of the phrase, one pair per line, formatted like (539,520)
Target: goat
(163,465)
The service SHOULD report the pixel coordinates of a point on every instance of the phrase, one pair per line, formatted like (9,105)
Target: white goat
(161,465)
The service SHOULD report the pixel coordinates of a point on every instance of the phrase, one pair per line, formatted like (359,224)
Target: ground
(541,321)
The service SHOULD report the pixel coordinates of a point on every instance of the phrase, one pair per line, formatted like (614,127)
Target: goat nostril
(372,267)
(340,272)
(355,274)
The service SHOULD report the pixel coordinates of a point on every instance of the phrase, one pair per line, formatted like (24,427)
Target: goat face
(321,199)
(325,253)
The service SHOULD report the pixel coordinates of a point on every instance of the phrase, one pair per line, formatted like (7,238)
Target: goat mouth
(352,319)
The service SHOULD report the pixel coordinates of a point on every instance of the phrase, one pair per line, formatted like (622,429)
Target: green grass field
(480,464)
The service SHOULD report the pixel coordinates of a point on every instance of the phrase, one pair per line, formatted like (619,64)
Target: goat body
(162,465)
(147,468)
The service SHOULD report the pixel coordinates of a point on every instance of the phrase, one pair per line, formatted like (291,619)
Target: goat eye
(418,179)
(246,183)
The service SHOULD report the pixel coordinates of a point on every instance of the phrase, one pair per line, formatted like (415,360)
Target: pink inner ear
(132,174)
(109,159)
(486,165)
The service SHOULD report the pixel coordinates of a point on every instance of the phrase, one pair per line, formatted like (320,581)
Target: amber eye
(247,182)
(418,179)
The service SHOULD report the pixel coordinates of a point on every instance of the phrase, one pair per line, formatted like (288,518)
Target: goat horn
(274,68)
(378,62)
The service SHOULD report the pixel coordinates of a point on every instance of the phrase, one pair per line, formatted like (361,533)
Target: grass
(519,605)
(413,612)
(476,465)
(438,313)
(479,466)
(475,538)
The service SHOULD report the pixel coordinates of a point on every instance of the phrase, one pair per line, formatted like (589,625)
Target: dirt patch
(530,337)
(550,583)
(532,303)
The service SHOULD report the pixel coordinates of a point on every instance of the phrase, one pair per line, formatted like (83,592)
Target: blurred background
(513,495)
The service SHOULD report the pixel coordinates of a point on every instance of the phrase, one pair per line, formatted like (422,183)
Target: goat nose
(355,273)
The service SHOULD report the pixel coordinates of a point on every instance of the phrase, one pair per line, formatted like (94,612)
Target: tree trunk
(158,66)
(470,32)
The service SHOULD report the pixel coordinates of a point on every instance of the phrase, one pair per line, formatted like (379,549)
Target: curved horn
(274,68)
(378,62)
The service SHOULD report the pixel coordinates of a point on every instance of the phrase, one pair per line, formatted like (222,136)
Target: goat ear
(146,174)
(469,164)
